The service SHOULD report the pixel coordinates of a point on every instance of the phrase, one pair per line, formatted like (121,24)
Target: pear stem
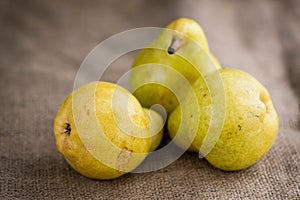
(175,45)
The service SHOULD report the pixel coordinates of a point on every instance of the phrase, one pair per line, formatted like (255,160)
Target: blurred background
(43,43)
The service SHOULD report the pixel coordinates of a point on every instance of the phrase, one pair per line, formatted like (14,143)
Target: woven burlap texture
(42,44)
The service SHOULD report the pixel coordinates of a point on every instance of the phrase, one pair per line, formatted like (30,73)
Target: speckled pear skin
(250,125)
(101,148)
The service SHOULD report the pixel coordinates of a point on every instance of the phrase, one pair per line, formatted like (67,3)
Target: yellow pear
(156,125)
(102,131)
(250,123)
(180,50)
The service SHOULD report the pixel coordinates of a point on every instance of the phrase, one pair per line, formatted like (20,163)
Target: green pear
(102,131)
(180,50)
(249,127)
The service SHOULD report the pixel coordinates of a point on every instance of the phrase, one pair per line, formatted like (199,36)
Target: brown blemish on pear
(124,158)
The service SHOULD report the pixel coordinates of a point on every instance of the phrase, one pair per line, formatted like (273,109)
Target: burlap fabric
(42,44)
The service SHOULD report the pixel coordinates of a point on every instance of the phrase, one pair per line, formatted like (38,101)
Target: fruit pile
(223,114)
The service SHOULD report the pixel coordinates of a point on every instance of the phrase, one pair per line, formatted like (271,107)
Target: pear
(180,50)
(248,129)
(156,125)
(102,131)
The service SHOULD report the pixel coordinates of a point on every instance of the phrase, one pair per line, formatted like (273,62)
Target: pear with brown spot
(102,131)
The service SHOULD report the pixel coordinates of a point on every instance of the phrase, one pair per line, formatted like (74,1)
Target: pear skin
(182,47)
(156,125)
(250,124)
(102,131)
